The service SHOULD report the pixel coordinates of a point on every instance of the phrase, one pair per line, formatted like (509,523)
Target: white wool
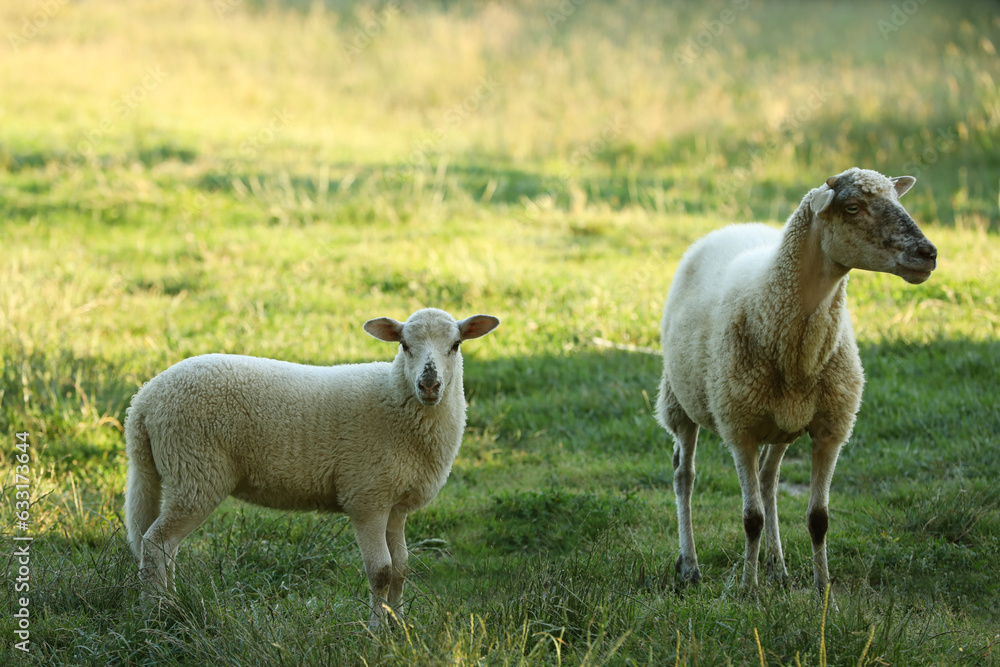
(370,440)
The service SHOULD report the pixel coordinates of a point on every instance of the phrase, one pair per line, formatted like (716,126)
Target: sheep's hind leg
(371,532)
(160,543)
(746,457)
(773,556)
(395,537)
(685,433)
(685,444)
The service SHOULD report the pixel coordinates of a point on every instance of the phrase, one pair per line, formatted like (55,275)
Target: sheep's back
(705,296)
(293,436)
(266,424)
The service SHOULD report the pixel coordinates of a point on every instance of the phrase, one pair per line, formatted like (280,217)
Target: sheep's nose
(429,385)
(927,251)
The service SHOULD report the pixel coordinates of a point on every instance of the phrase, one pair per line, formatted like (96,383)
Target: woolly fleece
(375,441)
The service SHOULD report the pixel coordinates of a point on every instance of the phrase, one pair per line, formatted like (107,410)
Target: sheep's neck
(809,290)
(816,277)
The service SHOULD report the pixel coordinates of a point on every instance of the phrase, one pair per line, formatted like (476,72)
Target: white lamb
(374,441)
(758,347)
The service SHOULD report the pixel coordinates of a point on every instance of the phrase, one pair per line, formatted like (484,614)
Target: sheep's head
(429,344)
(865,227)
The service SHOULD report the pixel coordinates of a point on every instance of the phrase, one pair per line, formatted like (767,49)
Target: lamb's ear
(821,200)
(385,328)
(902,184)
(477,325)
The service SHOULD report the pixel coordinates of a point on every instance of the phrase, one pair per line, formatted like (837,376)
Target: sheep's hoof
(388,621)
(394,620)
(685,574)
(749,592)
(776,574)
(779,580)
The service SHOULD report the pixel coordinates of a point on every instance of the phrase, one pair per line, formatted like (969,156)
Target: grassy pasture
(186,177)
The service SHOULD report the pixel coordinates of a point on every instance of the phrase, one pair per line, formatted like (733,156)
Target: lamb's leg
(395,538)
(160,543)
(773,555)
(824,460)
(746,457)
(370,532)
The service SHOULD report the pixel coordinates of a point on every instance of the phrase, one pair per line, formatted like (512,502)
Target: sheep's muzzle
(429,386)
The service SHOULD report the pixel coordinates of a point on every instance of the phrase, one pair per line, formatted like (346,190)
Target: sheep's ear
(902,184)
(477,325)
(385,328)
(821,200)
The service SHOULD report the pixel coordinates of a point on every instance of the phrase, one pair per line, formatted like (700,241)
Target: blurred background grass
(733,106)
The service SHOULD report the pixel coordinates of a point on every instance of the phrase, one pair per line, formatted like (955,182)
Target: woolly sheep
(758,347)
(374,441)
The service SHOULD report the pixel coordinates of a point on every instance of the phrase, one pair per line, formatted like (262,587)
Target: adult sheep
(374,441)
(758,347)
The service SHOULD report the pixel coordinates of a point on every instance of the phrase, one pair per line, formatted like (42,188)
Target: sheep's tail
(662,402)
(142,493)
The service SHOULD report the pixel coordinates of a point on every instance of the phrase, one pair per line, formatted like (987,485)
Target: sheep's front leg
(824,460)
(395,537)
(746,458)
(370,532)
(774,557)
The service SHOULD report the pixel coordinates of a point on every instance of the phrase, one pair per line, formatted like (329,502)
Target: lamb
(374,441)
(758,347)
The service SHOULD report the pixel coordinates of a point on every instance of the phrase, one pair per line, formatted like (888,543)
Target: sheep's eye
(852,208)
(406,348)
(454,348)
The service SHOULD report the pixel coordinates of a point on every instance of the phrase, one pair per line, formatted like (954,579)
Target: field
(183,177)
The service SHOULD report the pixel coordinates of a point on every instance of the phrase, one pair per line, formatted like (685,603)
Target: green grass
(189,177)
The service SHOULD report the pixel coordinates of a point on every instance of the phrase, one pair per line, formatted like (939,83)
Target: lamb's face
(865,227)
(429,343)
(429,346)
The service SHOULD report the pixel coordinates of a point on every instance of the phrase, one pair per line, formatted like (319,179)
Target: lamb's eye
(406,348)
(454,348)
(852,208)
